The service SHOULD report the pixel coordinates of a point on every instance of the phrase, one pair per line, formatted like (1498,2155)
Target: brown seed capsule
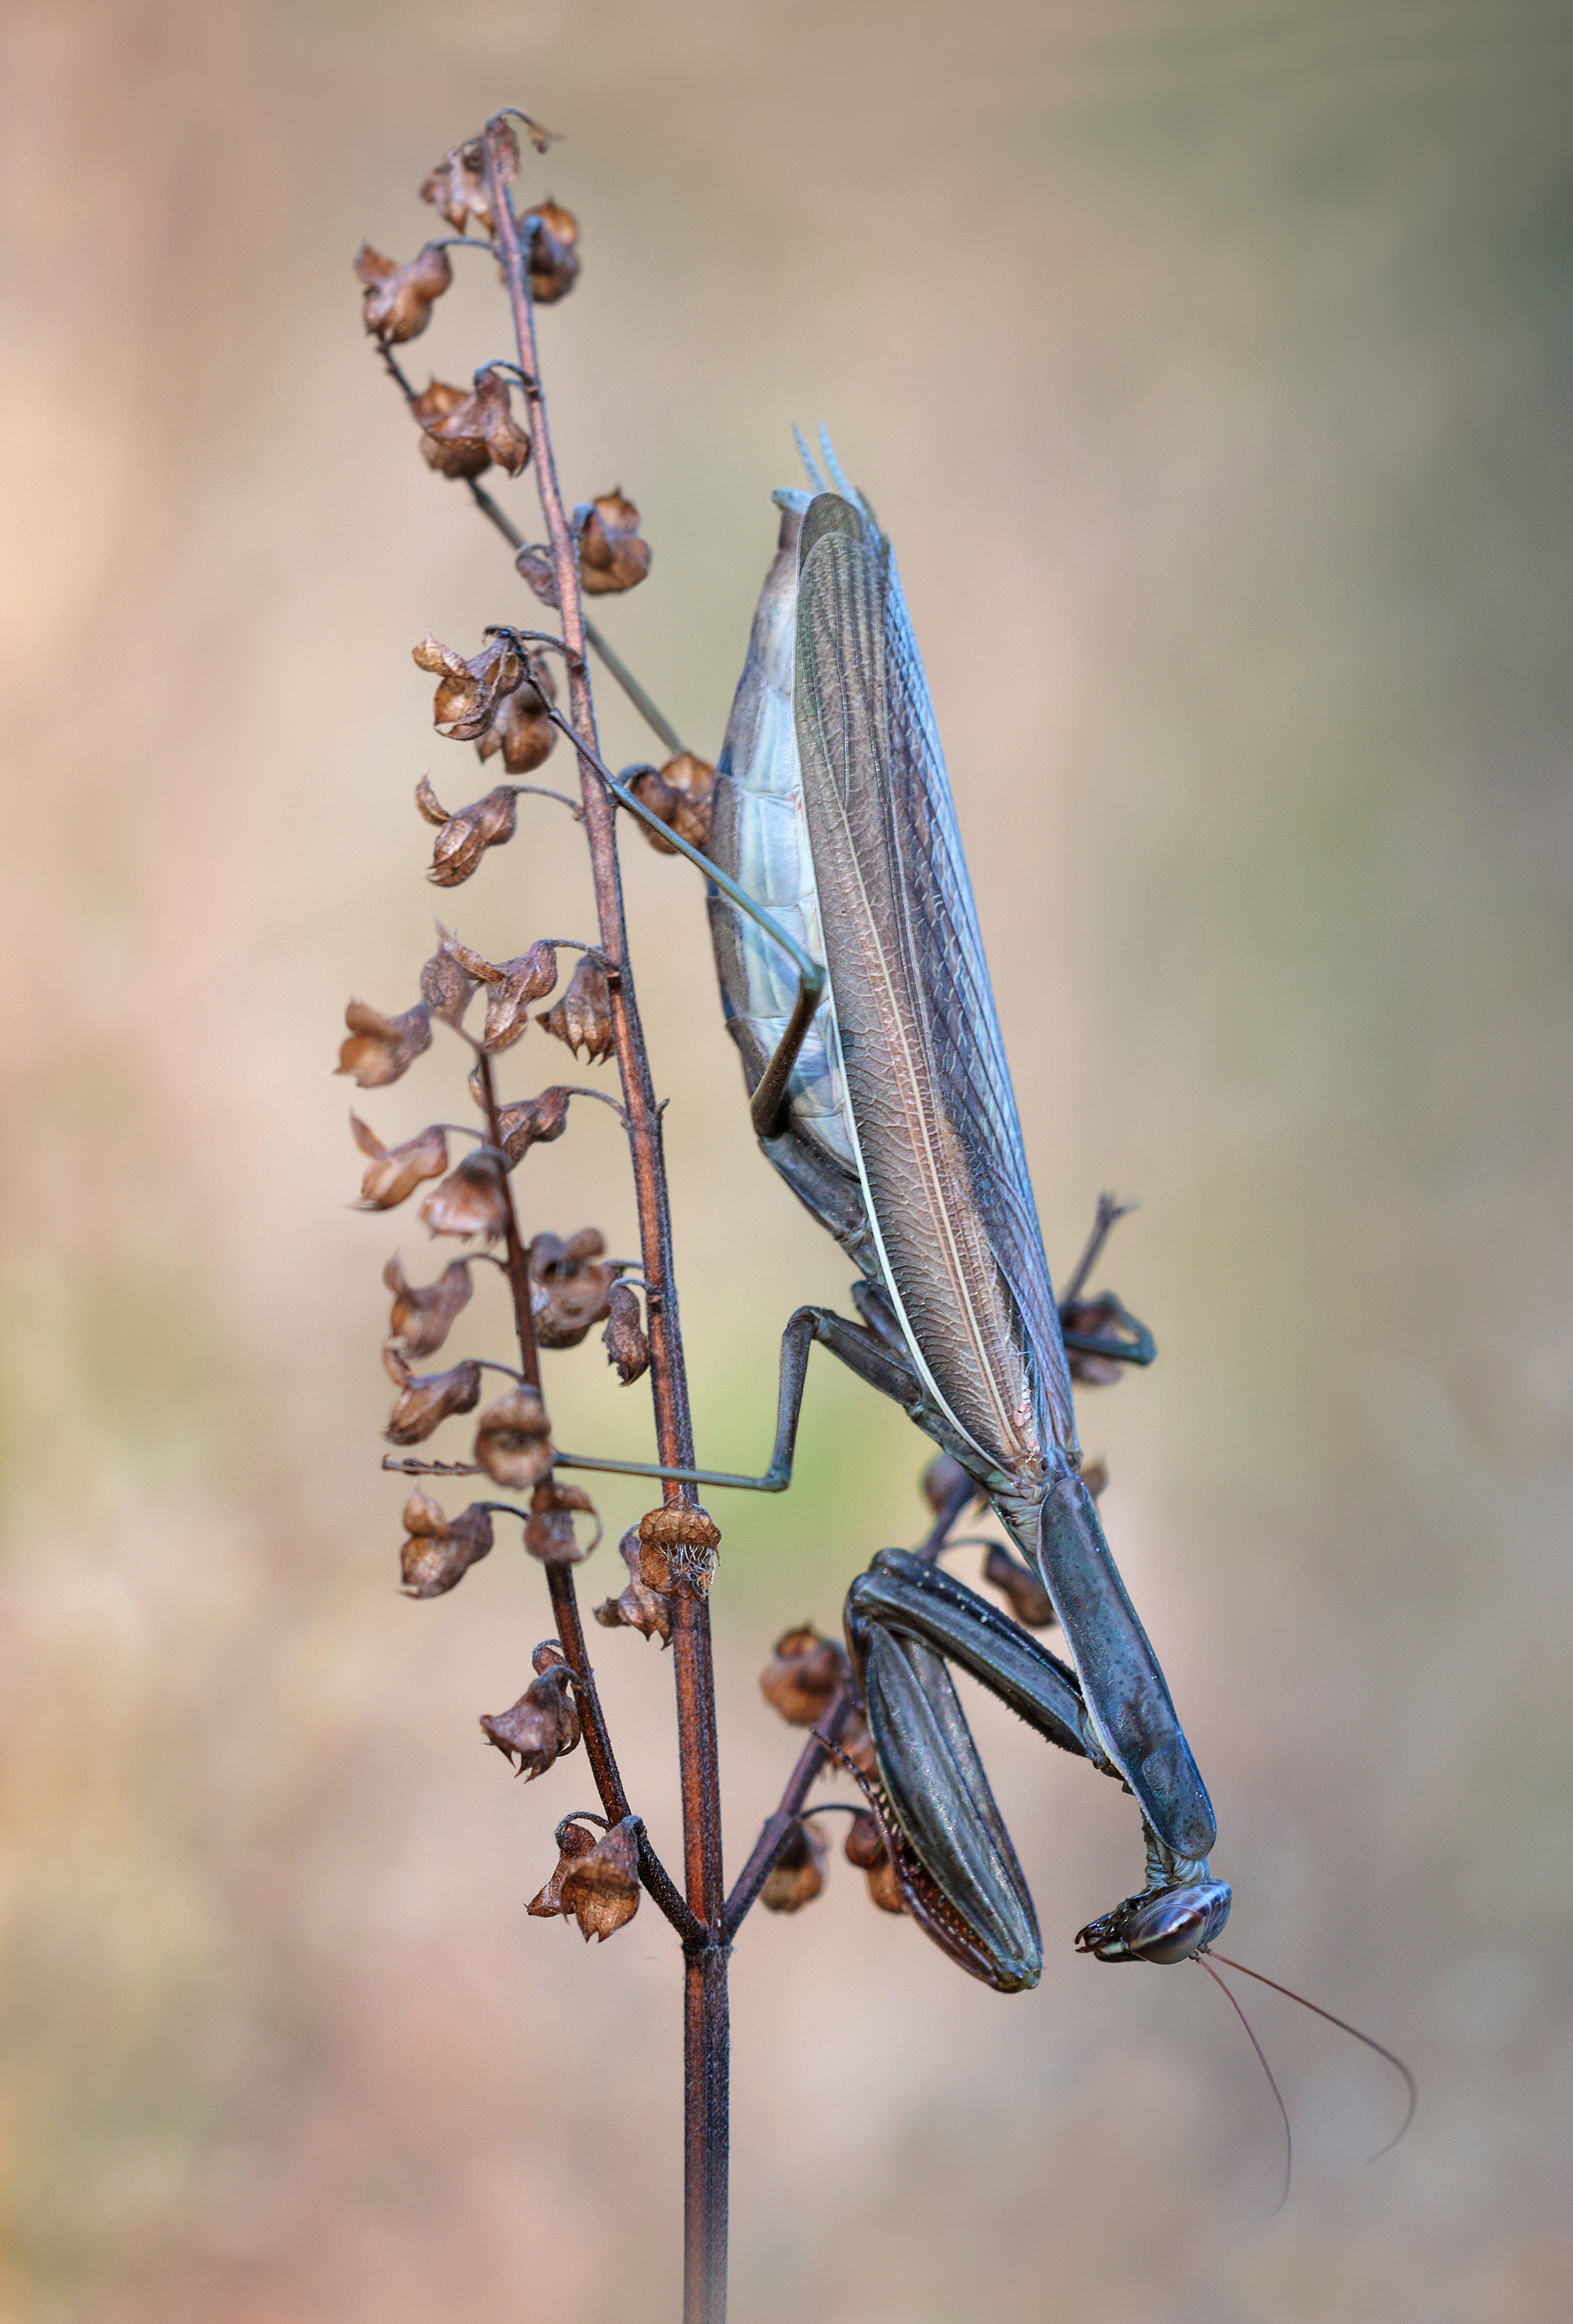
(798,1874)
(942,1480)
(451,452)
(532,1121)
(423,1314)
(601,1889)
(519,982)
(521,730)
(457,186)
(466,700)
(612,557)
(583,1017)
(514,1440)
(639,1607)
(398,300)
(466,836)
(430,806)
(682,794)
(438,1553)
(382,1049)
(803,1673)
(1024,1594)
(549,1532)
(533,565)
(573,1842)
(396,1171)
(864,1846)
(542,1726)
(1095,1476)
(571,1285)
(425,1400)
(857,1745)
(623,1338)
(472,1200)
(445,986)
(677,1550)
(554,254)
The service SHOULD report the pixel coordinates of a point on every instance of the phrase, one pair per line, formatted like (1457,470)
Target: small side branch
(773,1838)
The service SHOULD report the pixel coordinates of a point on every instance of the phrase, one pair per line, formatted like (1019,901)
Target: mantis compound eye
(1163,1924)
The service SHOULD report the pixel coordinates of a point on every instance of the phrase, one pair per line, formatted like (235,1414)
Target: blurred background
(1209,365)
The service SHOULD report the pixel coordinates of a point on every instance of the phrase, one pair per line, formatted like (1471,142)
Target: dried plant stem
(772,1839)
(705,2026)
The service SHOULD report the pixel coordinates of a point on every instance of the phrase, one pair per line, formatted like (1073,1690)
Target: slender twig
(706,2028)
(778,1826)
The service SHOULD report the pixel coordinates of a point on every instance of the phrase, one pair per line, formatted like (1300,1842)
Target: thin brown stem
(706,2032)
(778,1826)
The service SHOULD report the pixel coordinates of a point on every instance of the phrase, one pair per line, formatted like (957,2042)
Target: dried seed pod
(583,1017)
(612,557)
(445,986)
(639,1607)
(682,793)
(437,1553)
(571,1285)
(519,982)
(1095,1476)
(542,1726)
(623,1338)
(462,433)
(465,837)
(450,451)
(395,1171)
(857,1745)
(521,730)
(864,1846)
(532,1121)
(398,300)
(470,692)
(803,1673)
(514,1440)
(423,1314)
(549,1532)
(601,1888)
(534,566)
(798,1874)
(427,804)
(942,1480)
(554,254)
(676,1549)
(425,1400)
(573,1842)
(1024,1594)
(457,184)
(472,1200)
(381,1050)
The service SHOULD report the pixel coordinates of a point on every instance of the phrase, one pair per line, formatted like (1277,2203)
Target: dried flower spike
(542,1726)
(532,1121)
(521,729)
(583,1017)
(470,1201)
(601,1888)
(626,1343)
(682,794)
(798,1874)
(398,300)
(381,1050)
(396,1171)
(457,186)
(676,1549)
(573,1843)
(438,1553)
(549,1532)
(426,1399)
(467,697)
(612,557)
(1024,1594)
(554,254)
(639,1607)
(423,1314)
(803,1673)
(514,1440)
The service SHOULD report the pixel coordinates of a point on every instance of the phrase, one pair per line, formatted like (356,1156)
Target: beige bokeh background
(1209,365)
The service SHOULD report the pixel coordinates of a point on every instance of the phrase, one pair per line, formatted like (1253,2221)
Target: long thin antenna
(834,465)
(815,478)
(1344,2027)
(1278,2094)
